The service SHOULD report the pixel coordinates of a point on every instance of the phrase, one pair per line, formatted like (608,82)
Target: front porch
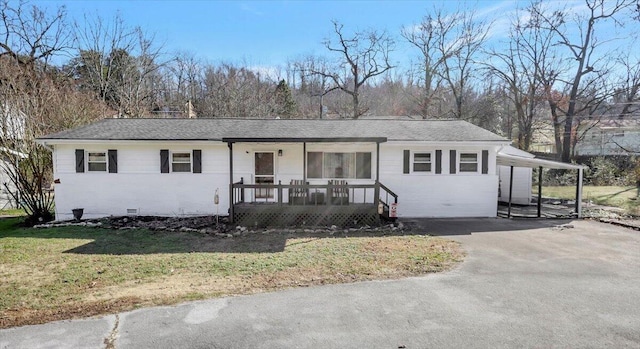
(344,173)
(311,204)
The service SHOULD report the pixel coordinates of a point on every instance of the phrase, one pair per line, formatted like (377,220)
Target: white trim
(48,142)
(519,161)
(447,144)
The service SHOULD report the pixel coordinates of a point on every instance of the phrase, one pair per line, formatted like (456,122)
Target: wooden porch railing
(313,194)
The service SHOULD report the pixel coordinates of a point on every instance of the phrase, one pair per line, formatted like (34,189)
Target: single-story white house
(258,170)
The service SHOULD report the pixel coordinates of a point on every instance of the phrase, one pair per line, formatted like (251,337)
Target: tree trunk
(356,107)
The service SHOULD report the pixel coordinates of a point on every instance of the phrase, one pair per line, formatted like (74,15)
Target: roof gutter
(306,139)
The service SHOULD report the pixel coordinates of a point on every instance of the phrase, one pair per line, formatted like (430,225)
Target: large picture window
(339,165)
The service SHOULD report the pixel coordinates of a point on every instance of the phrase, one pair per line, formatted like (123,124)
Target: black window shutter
(164,161)
(452,161)
(407,159)
(438,161)
(113,161)
(79,160)
(485,161)
(197,161)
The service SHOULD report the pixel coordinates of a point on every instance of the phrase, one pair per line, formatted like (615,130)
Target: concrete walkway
(523,284)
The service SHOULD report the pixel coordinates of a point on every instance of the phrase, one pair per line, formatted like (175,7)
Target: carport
(520,161)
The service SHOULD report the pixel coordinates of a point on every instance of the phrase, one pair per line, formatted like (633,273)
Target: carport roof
(520,161)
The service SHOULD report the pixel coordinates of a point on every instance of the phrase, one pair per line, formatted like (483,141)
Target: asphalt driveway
(523,284)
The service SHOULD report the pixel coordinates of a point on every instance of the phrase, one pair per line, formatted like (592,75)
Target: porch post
(376,191)
(304,162)
(539,191)
(510,191)
(230,144)
(377,161)
(579,194)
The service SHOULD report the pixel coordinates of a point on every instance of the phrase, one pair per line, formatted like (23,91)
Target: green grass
(13,212)
(623,197)
(60,273)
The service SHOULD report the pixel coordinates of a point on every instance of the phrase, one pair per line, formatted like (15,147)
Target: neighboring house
(299,171)
(12,127)
(8,190)
(610,137)
(598,137)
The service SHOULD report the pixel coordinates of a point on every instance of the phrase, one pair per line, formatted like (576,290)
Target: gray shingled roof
(217,129)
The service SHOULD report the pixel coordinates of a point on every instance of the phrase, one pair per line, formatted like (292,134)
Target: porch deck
(339,204)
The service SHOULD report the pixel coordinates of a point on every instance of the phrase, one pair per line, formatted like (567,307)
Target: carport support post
(510,191)
(539,191)
(579,194)
(230,144)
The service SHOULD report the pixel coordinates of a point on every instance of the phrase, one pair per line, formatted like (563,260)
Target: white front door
(264,173)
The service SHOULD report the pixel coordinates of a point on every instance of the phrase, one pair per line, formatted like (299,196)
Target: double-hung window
(180,162)
(468,162)
(97,161)
(422,162)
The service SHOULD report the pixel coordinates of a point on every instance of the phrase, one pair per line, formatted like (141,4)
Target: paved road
(523,284)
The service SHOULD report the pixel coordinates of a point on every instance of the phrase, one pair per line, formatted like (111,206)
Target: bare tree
(627,91)
(432,37)
(29,35)
(232,91)
(361,57)
(35,99)
(118,63)
(461,49)
(523,67)
(581,50)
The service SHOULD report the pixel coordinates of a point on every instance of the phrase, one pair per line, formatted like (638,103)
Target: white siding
(140,185)
(440,195)
(521,184)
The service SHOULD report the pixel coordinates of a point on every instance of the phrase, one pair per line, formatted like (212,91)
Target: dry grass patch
(70,272)
(623,197)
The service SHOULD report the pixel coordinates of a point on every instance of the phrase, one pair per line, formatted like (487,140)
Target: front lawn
(62,273)
(623,197)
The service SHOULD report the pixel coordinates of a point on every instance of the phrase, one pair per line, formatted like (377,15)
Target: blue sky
(265,34)
(262,33)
